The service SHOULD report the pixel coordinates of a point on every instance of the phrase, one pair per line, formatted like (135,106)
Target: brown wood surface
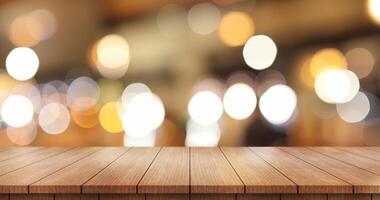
(211,172)
(258,197)
(19,180)
(367,152)
(121,197)
(349,158)
(349,197)
(8,153)
(257,175)
(363,181)
(304,197)
(123,175)
(25,159)
(167,197)
(239,173)
(169,172)
(71,178)
(309,179)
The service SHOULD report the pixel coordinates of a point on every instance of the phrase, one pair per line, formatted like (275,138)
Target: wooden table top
(256,170)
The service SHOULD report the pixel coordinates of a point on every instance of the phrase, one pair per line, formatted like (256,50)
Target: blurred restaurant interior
(189,72)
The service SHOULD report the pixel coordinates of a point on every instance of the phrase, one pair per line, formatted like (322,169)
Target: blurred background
(190,72)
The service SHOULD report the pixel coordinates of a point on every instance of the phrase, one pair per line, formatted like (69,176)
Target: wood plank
(19,180)
(349,197)
(169,172)
(71,178)
(116,179)
(210,172)
(29,158)
(376,197)
(258,197)
(304,197)
(362,151)
(121,197)
(76,197)
(9,153)
(31,196)
(4,196)
(167,196)
(349,158)
(213,197)
(363,181)
(308,178)
(257,175)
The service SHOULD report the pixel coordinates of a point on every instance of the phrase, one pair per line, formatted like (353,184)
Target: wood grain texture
(167,197)
(213,197)
(308,178)
(258,197)
(304,197)
(363,181)
(349,158)
(71,178)
(31,197)
(76,197)
(19,180)
(211,173)
(123,175)
(121,197)
(367,152)
(9,153)
(257,175)
(376,197)
(169,172)
(349,197)
(23,160)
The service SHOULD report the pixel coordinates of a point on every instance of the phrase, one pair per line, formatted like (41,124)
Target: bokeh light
(112,56)
(46,24)
(203,18)
(239,101)
(337,86)
(148,140)
(17,110)
(54,118)
(278,104)
(198,135)
(109,117)
(143,114)
(355,110)
(236,28)
(360,61)
(29,91)
(373,9)
(267,78)
(205,108)
(30,29)
(22,63)
(328,58)
(86,118)
(19,32)
(83,94)
(131,91)
(22,135)
(259,52)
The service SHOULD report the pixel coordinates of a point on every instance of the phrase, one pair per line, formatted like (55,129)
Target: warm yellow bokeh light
(373,9)
(87,118)
(21,29)
(109,118)
(236,28)
(328,58)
